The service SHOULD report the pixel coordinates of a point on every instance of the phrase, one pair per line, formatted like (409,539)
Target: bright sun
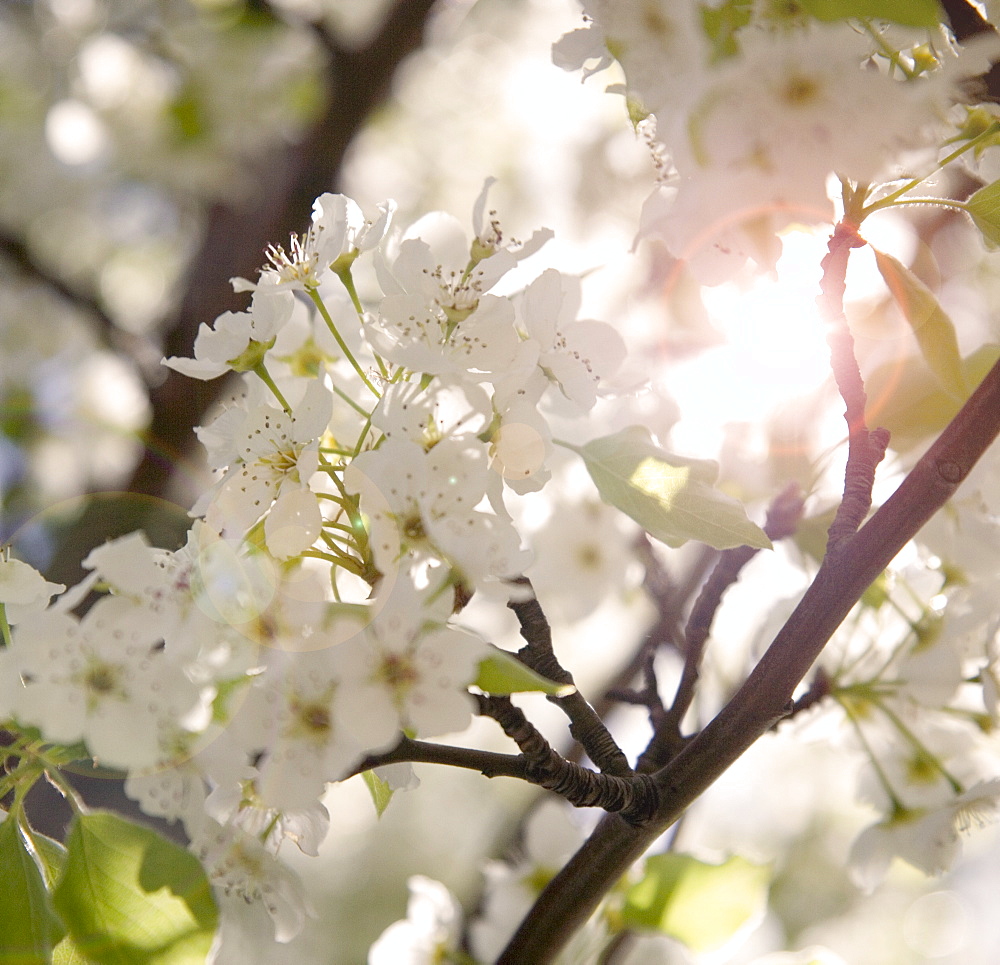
(775,350)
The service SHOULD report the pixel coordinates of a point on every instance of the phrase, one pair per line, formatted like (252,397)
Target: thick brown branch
(766,696)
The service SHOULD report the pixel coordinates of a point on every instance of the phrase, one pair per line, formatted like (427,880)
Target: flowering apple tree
(397,394)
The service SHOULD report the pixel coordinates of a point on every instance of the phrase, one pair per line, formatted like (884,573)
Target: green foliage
(933,328)
(811,534)
(51,856)
(721,23)
(502,673)
(129,897)
(30,927)
(702,905)
(379,790)
(186,114)
(910,402)
(673,498)
(911,13)
(984,206)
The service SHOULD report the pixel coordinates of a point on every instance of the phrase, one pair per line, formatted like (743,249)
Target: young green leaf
(673,498)
(912,13)
(721,23)
(984,206)
(502,673)
(49,853)
(933,328)
(701,905)
(66,953)
(30,927)
(130,897)
(379,790)
(908,401)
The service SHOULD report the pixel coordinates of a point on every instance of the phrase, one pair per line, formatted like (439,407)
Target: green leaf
(721,24)
(380,791)
(130,897)
(673,498)
(984,206)
(912,13)
(49,853)
(30,928)
(66,953)
(502,673)
(811,534)
(908,401)
(933,328)
(702,905)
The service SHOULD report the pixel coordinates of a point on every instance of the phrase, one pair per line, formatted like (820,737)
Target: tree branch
(782,519)
(765,698)
(587,728)
(865,449)
(633,797)
(488,763)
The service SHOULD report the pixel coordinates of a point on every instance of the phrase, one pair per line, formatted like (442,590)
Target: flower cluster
(755,113)
(358,504)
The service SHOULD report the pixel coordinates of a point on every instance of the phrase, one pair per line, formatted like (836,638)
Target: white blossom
(276,456)
(430,931)
(103,680)
(574,354)
(238,341)
(409,669)
(422,507)
(240,867)
(927,838)
(23,590)
(339,228)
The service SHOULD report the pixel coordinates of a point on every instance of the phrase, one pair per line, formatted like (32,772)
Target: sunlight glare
(775,349)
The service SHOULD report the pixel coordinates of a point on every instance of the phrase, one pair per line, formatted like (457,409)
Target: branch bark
(766,696)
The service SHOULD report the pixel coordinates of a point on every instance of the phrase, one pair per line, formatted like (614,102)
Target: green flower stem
(883,778)
(356,406)
(890,199)
(888,52)
(919,746)
(347,280)
(4,625)
(260,370)
(321,308)
(54,775)
(349,505)
(362,435)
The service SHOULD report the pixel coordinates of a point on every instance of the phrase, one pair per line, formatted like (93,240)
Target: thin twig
(782,519)
(586,726)
(633,798)
(488,763)
(765,697)
(865,448)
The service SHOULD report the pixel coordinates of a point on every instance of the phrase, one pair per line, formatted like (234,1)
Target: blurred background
(151,150)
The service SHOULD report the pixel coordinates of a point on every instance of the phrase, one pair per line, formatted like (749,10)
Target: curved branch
(587,728)
(766,696)
(865,448)
(488,763)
